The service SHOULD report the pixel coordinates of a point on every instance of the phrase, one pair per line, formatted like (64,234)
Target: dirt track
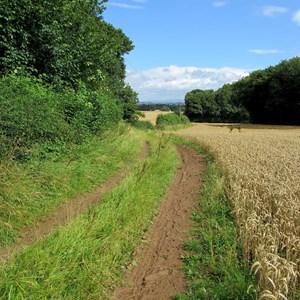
(65,212)
(157,274)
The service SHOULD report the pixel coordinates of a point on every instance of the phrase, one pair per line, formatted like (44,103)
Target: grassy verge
(87,258)
(213,263)
(30,189)
(172,120)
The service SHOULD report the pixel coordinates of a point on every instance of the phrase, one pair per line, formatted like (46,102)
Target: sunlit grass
(87,258)
(30,189)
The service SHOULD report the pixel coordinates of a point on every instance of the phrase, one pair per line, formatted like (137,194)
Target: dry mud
(158,273)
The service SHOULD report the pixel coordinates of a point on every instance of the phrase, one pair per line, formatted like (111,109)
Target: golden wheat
(262,168)
(152,115)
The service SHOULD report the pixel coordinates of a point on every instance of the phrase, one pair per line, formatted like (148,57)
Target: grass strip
(31,189)
(87,258)
(213,264)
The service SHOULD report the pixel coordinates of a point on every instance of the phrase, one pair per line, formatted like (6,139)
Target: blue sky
(184,45)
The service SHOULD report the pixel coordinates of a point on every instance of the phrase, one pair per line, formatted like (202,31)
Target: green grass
(213,264)
(30,189)
(173,120)
(143,125)
(87,258)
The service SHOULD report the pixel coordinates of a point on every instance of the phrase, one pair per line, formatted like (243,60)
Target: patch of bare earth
(158,273)
(65,212)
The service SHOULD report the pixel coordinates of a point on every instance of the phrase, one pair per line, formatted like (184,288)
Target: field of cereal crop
(262,168)
(152,115)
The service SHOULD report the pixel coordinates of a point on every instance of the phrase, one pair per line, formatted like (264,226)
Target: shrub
(28,113)
(171,120)
(88,112)
(143,125)
(31,113)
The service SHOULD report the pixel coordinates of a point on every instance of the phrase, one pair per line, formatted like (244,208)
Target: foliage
(272,95)
(230,110)
(269,96)
(171,119)
(63,40)
(200,105)
(66,44)
(143,125)
(128,101)
(211,106)
(30,113)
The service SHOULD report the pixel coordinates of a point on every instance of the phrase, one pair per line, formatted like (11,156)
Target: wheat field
(262,173)
(152,115)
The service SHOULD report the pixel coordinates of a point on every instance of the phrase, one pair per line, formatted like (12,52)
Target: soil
(157,272)
(65,212)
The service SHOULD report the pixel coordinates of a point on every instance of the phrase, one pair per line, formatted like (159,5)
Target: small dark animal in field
(234,126)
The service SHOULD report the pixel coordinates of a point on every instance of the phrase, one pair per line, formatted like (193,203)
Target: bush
(88,112)
(31,113)
(143,125)
(171,120)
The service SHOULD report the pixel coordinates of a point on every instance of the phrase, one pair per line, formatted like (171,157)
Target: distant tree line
(161,106)
(62,73)
(269,96)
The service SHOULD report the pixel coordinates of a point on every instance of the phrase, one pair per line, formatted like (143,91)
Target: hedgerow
(31,113)
(171,119)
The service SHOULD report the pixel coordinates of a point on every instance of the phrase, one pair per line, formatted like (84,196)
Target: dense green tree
(283,102)
(230,110)
(200,105)
(128,100)
(63,40)
(65,43)
(270,96)
(31,113)
(252,91)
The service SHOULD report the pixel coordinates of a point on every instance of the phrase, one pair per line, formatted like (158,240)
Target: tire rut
(157,274)
(66,212)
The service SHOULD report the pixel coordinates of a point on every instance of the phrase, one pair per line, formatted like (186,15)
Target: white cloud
(173,82)
(271,11)
(124,5)
(219,3)
(264,51)
(296,17)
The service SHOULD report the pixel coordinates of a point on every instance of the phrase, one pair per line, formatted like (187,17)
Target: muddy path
(66,212)
(157,274)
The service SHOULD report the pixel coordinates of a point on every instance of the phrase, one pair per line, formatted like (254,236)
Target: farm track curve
(66,212)
(157,273)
